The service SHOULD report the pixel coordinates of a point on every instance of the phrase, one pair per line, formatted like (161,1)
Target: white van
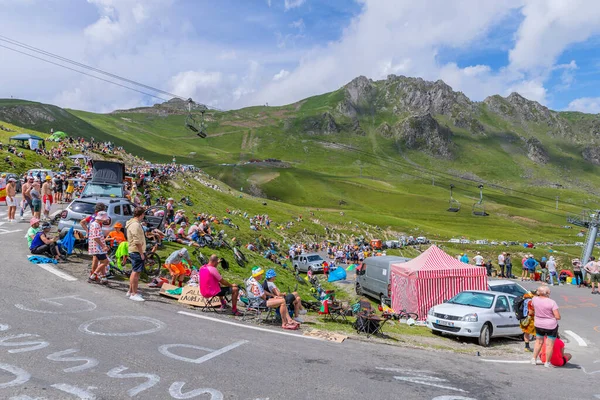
(373,277)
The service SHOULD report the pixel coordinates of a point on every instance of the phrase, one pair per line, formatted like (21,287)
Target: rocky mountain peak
(423,132)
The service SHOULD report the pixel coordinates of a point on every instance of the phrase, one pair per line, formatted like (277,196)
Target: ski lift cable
(439,175)
(84,73)
(90,68)
(451,178)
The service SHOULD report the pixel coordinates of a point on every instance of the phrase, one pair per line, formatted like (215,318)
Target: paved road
(66,339)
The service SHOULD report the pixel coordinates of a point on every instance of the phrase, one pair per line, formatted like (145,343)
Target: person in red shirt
(559,357)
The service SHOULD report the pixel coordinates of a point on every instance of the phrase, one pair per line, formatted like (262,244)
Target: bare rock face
(322,124)
(418,96)
(29,115)
(536,152)
(359,90)
(517,108)
(357,129)
(424,133)
(385,130)
(592,155)
(466,121)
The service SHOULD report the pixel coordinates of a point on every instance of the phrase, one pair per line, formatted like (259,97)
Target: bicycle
(402,315)
(152,264)
(201,258)
(220,241)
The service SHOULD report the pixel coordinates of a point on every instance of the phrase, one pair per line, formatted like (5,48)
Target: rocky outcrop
(518,109)
(385,130)
(356,128)
(536,152)
(418,96)
(424,133)
(592,155)
(322,124)
(171,107)
(466,121)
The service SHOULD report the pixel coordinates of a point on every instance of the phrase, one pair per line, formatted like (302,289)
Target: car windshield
(514,289)
(82,207)
(473,299)
(314,258)
(103,190)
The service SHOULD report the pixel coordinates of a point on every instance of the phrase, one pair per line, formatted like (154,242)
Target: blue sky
(232,54)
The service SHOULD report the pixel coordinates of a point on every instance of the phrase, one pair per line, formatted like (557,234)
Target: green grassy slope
(370,177)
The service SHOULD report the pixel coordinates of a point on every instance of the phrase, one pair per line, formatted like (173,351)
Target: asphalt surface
(67,339)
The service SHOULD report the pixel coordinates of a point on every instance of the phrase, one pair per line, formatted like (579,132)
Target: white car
(475,313)
(454,241)
(506,286)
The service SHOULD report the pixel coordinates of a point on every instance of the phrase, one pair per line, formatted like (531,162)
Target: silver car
(475,313)
(119,210)
(311,261)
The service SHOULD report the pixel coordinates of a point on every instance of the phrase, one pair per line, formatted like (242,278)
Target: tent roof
(25,136)
(80,156)
(434,261)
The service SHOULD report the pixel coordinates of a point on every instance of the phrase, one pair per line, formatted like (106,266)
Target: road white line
(507,361)
(256,328)
(57,272)
(577,338)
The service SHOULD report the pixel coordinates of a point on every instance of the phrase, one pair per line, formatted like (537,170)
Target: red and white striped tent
(431,278)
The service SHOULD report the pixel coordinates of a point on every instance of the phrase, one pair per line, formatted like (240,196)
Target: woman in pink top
(546,323)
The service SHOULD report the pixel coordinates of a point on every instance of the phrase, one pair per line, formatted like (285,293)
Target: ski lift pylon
(454,204)
(479,207)
(192,124)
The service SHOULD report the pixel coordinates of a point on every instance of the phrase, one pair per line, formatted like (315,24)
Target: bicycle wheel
(407,315)
(239,257)
(152,264)
(201,259)
(243,257)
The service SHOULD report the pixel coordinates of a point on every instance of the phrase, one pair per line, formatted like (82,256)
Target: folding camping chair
(213,303)
(366,320)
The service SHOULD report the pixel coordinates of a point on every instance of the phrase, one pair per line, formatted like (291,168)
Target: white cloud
(191,83)
(281,75)
(298,24)
(289,4)
(548,28)
(589,105)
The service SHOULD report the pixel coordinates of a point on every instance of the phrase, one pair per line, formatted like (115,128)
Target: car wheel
(485,335)
(296,269)
(358,289)
(382,299)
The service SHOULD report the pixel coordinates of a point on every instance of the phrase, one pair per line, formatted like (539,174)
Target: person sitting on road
(42,244)
(175,266)
(116,236)
(559,358)
(291,299)
(258,298)
(34,228)
(212,284)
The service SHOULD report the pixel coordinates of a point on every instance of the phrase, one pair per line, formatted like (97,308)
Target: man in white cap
(97,248)
(478,260)
(11,199)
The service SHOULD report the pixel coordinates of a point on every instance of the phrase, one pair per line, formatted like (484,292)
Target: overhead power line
(89,68)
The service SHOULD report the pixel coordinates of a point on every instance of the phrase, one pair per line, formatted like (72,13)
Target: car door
(504,319)
(155,222)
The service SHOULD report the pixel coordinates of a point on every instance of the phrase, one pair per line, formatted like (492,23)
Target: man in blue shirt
(529,267)
(464,258)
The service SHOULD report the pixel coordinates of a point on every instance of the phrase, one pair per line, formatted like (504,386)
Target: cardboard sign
(191,295)
(330,336)
(165,287)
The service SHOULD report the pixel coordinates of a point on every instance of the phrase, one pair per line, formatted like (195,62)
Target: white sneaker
(548,365)
(533,361)
(136,297)
(302,312)
(299,320)
(128,294)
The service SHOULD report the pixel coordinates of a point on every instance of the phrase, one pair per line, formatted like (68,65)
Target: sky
(236,53)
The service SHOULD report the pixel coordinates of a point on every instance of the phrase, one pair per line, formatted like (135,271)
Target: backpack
(520,306)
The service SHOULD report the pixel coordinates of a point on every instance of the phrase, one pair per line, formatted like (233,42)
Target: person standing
(97,248)
(544,267)
(593,270)
(501,261)
(136,249)
(47,196)
(464,258)
(545,322)
(577,272)
(527,324)
(551,266)
(26,196)
(36,198)
(11,198)
(479,262)
(508,264)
